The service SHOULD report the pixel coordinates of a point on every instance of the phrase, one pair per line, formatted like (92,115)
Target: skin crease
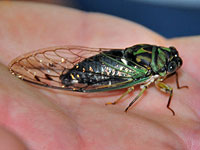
(47,119)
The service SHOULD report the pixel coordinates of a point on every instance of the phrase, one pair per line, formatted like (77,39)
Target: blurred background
(170,18)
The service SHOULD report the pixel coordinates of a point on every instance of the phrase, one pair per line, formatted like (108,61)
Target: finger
(25,27)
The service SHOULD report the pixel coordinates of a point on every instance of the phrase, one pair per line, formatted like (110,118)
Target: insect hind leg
(124,94)
(137,97)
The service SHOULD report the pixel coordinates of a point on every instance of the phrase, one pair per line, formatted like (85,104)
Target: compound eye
(172,67)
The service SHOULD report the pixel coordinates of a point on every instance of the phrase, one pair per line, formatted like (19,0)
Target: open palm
(47,119)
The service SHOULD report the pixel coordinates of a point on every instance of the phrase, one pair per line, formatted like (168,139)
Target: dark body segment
(95,71)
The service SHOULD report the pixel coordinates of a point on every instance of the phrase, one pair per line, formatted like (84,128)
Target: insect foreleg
(167,89)
(177,83)
(124,94)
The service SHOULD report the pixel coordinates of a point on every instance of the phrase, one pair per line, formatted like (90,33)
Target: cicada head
(175,62)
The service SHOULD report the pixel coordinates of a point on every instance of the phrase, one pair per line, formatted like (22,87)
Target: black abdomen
(96,71)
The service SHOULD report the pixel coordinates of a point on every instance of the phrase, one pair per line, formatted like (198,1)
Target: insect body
(84,69)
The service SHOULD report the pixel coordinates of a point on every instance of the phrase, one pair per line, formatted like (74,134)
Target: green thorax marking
(141,50)
(153,63)
(167,49)
(161,60)
(158,60)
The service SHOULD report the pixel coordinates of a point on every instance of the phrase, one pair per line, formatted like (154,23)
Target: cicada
(84,69)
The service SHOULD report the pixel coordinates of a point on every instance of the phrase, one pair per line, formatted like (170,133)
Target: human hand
(53,119)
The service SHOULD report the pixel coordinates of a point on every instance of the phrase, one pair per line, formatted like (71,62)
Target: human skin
(48,119)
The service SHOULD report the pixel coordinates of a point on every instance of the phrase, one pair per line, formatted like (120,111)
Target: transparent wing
(44,67)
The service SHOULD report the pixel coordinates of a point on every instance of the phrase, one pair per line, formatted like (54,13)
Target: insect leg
(177,83)
(167,89)
(124,94)
(144,87)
